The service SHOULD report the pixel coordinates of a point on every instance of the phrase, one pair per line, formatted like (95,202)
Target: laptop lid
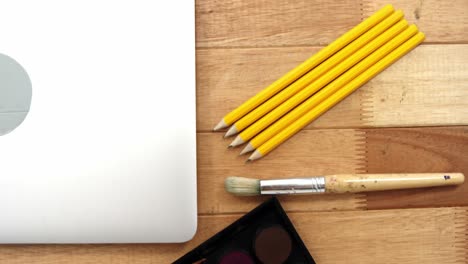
(106,152)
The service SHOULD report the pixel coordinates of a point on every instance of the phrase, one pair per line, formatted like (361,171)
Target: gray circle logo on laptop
(15,94)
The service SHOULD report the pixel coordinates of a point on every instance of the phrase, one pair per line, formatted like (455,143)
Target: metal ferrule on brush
(293,186)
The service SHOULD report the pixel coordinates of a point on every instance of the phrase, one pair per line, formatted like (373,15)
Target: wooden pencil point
(238,141)
(231,132)
(247,149)
(220,125)
(255,156)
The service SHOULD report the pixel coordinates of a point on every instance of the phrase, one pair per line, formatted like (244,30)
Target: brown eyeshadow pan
(273,245)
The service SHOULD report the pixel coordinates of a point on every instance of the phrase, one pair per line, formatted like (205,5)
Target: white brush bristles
(242,186)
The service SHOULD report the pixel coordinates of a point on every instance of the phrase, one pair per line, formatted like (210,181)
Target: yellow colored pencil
(314,74)
(300,123)
(329,90)
(304,67)
(305,93)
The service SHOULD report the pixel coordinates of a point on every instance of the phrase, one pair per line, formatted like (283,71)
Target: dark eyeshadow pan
(273,245)
(236,257)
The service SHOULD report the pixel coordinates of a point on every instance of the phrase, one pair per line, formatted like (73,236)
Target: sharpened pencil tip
(255,156)
(238,141)
(231,132)
(220,125)
(247,149)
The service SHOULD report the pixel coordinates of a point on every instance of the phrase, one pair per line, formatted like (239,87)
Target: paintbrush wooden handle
(353,183)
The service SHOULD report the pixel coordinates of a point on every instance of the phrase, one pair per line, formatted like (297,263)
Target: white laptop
(104,151)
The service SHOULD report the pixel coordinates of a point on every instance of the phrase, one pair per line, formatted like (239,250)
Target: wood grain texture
(334,151)
(312,152)
(441,21)
(429,86)
(417,150)
(404,236)
(265,23)
(387,236)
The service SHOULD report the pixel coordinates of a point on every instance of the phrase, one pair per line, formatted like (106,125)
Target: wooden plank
(441,21)
(329,151)
(266,23)
(417,150)
(312,152)
(389,236)
(409,236)
(427,87)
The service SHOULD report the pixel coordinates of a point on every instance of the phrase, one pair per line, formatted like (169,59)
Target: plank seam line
(315,45)
(359,197)
(360,149)
(461,235)
(361,127)
(366,106)
(361,8)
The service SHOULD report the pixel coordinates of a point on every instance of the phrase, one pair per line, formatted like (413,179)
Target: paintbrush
(341,183)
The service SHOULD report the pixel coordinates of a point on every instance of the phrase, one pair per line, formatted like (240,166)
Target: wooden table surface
(411,118)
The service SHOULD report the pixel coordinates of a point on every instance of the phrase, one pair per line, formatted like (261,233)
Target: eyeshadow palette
(265,235)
